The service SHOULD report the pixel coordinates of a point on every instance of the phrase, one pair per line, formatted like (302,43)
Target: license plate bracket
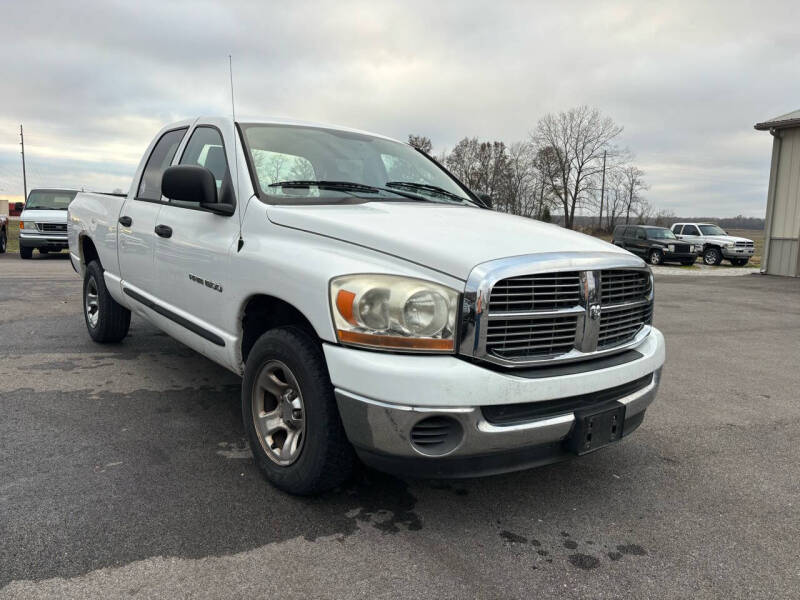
(597,427)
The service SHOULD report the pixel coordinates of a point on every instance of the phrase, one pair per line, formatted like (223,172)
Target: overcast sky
(92,82)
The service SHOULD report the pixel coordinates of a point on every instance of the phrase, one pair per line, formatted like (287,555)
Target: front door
(194,246)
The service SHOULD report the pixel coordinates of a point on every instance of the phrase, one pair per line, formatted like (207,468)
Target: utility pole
(24,176)
(602,192)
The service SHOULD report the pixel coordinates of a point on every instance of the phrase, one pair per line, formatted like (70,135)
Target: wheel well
(263,313)
(88,251)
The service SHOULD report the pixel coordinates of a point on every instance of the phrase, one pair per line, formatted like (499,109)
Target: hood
(722,239)
(44,216)
(450,239)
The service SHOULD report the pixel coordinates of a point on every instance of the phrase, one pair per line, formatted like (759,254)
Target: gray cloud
(93,81)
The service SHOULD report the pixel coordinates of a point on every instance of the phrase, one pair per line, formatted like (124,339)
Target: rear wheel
(106,319)
(290,414)
(712,256)
(3,241)
(739,262)
(656,257)
(25,252)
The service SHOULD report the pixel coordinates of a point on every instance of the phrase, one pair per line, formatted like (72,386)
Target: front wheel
(290,414)
(656,257)
(3,241)
(712,256)
(25,253)
(106,319)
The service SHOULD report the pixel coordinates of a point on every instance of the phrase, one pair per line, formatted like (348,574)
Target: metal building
(782,227)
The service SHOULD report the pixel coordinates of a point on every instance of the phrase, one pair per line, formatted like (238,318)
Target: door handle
(164,231)
(125,221)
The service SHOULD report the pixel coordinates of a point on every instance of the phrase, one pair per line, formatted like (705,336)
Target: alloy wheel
(91,303)
(279,413)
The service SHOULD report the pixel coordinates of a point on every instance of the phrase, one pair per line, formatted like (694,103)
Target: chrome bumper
(381,433)
(734,252)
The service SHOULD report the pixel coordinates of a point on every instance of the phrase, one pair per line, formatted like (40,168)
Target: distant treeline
(738,222)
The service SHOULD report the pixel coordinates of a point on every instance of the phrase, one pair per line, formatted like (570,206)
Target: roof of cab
(280,121)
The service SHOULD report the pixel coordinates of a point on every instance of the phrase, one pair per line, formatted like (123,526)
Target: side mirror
(192,183)
(485,198)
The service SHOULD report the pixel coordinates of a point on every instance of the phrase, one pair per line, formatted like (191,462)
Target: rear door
(137,220)
(193,249)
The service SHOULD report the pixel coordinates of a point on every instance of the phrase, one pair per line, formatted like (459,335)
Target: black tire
(739,262)
(326,458)
(112,319)
(655,257)
(25,253)
(687,263)
(712,256)
(3,241)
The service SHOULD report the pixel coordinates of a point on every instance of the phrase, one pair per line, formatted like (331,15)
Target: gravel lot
(124,473)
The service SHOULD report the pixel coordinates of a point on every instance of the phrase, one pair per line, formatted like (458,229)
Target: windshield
(49,199)
(712,230)
(660,234)
(320,165)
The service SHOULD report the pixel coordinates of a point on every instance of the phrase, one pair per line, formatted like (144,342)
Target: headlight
(394,313)
(671,247)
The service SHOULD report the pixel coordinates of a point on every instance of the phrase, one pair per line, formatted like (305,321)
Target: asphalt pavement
(124,473)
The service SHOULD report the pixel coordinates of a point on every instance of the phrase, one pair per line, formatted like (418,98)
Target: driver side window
(205,149)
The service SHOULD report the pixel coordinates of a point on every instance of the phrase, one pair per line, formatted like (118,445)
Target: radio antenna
(235,151)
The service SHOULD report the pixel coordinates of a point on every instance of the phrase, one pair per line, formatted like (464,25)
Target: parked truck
(374,307)
(43,222)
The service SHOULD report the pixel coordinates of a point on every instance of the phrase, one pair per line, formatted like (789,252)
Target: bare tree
(421,142)
(633,185)
(574,142)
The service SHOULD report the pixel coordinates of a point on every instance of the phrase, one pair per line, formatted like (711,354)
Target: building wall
(3,207)
(783,206)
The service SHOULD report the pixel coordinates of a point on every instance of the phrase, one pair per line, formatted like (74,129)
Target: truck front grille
(682,248)
(531,337)
(623,286)
(543,316)
(744,244)
(52,227)
(544,291)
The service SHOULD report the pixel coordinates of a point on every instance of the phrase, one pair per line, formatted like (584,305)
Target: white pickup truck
(43,222)
(374,307)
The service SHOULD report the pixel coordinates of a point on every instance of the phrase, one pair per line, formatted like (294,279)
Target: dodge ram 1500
(374,307)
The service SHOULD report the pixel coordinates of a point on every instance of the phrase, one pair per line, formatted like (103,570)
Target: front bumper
(738,252)
(36,240)
(382,429)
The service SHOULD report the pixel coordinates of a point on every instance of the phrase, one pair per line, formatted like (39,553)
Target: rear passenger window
(160,158)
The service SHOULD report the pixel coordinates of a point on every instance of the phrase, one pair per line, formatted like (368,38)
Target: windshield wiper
(427,187)
(350,186)
(328,185)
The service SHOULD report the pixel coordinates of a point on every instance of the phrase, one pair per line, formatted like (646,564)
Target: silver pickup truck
(374,307)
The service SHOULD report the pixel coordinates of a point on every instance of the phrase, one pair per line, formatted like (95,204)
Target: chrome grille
(623,286)
(531,337)
(745,244)
(681,248)
(621,324)
(544,291)
(625,306)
